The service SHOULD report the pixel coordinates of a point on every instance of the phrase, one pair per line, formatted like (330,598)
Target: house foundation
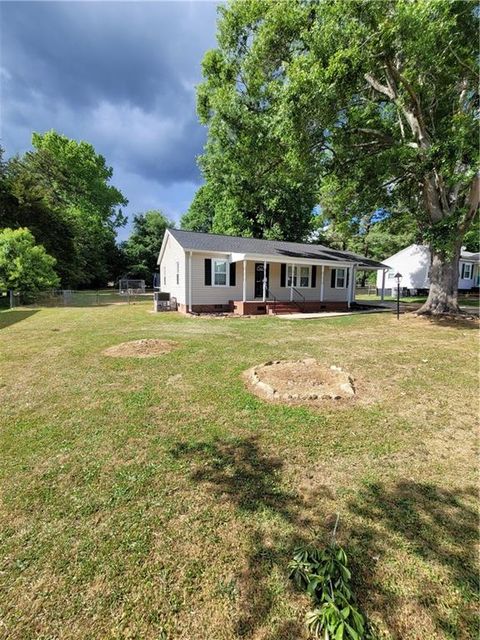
(258,307)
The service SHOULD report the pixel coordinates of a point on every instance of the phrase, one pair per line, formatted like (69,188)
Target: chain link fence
(74,298)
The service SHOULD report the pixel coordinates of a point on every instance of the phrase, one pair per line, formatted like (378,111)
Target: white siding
(337,295)
(205,294)
(309,293)
(466,283)
(173,253)
(414,265)
(202,294)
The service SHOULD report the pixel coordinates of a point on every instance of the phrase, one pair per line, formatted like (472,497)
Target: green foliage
(472,237)
(201,212)
(61,192)
(142,248)
(325,575)
(255,185)
(359,106)
(24,265)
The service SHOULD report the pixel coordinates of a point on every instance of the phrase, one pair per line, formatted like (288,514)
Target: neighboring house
(413,263)
(211,273)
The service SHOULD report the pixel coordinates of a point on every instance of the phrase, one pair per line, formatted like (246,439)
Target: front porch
(274,287)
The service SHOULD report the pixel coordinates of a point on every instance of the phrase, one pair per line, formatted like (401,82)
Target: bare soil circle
(299,381)
(146,348)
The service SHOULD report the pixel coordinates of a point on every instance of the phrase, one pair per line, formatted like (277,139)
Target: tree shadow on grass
(9,317)
(405,518)
(439,526)
(239,472)
(464,321)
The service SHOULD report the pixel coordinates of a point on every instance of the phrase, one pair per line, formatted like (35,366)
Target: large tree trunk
(443,293)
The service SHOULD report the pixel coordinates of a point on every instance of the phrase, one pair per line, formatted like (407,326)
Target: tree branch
(473,203)
(378,86)
(415,117)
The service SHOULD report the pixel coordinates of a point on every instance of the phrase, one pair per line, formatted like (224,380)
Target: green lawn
(157,499)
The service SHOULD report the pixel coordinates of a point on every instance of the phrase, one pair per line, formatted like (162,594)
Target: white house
(211,273)
(413,263)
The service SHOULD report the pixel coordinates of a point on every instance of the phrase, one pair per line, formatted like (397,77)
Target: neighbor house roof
(464,254)
(468,255)
(194,241)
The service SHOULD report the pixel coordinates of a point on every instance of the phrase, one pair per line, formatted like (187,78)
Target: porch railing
(270,295)
(300,305)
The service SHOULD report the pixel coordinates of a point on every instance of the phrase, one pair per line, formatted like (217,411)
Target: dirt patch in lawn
(146,348)
(299,381)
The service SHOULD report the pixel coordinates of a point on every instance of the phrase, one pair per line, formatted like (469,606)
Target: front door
(259,279)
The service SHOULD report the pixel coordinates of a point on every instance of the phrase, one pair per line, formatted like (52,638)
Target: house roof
(194,241)
(464,255)
(468,255)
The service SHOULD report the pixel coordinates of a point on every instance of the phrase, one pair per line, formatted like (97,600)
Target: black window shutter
(208,272)
(332,278)
(463,270)
(314,276)
(348,276)
(283,274)
(233,274)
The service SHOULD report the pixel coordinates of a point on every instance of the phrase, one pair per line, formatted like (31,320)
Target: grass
(157,499)
(463,300)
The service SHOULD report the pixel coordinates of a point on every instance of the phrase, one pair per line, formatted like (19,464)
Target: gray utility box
(162,301)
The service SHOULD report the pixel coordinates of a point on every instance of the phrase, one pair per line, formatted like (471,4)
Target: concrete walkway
(377,307)
(327,314)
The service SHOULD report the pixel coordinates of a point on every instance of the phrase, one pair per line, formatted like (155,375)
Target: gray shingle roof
(194,241)
(468,255)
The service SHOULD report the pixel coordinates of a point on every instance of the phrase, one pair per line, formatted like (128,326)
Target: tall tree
(143,246)
(201,212)
(379,99)
(24,205)
(255,186)
(24,265)
(61,191)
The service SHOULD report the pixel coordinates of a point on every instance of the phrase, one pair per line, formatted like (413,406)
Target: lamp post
(398,277)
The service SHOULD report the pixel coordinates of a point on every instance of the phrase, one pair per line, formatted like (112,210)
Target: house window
(219,273)
(304,277)
(391,274)
(340,278)
(164,275)
(178,273)
(301,276)
(466,270)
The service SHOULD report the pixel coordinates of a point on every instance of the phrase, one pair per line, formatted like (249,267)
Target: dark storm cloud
(120,75)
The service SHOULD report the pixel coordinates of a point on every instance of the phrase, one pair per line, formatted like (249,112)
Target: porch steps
(282,308)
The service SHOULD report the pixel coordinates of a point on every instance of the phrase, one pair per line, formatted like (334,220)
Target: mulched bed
(299,381)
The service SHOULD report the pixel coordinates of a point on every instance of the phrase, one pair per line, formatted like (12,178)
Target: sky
(120,75)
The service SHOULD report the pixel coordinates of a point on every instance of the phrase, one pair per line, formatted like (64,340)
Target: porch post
(349,292)
(291,281)
(190,282)
(264,280)
(382,295)
(354,282)
(322,284)
(244,280)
